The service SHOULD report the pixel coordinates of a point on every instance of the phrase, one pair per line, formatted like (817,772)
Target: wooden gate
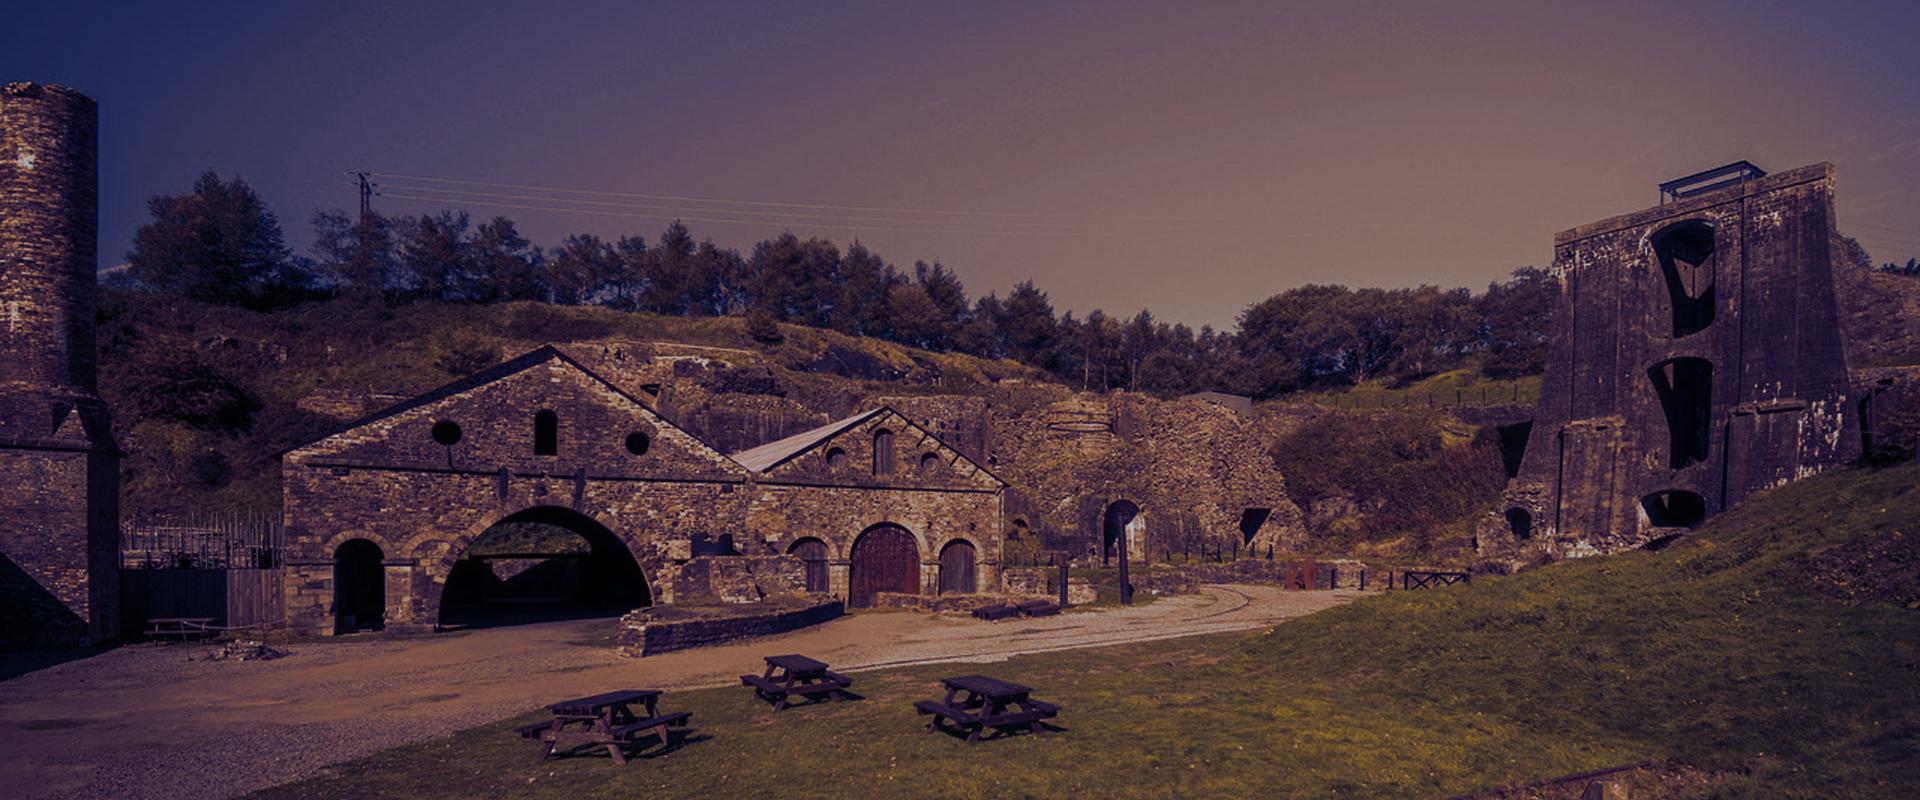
(813,556)
(885,559)
(956,569)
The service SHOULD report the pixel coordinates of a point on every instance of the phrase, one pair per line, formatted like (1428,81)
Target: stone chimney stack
(59,468)
(49,216)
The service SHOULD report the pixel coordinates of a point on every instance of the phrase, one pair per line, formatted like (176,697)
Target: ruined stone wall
(1193,468)
(59,473)
(1696,358)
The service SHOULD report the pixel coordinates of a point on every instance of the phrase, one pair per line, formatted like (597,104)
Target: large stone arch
(439,554)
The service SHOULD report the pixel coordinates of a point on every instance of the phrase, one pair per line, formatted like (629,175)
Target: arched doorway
(1122,519)
(885,559)
(359,587)
(544,563)
(957,568)
(813,558)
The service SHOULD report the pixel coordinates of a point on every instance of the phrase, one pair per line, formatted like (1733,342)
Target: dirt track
(149,722)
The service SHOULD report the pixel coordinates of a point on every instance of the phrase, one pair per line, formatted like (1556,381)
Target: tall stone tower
(1696,358)
(59,468)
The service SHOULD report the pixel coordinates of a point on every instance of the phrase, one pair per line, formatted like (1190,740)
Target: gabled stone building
(379,517)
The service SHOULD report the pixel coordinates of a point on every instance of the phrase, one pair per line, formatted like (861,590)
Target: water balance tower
(59,468)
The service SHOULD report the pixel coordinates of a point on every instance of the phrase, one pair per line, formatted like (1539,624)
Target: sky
(1190,158)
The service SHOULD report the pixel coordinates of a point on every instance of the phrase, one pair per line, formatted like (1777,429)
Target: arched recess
(541,563)
(883,455)
(1674,508)
(1120,530)
(884,559)
(1686,254)
(1520,523)
(359,587)
(957,568)
(813,559)
(1685,388)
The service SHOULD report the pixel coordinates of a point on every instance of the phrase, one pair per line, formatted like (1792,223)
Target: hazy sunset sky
(1190,158)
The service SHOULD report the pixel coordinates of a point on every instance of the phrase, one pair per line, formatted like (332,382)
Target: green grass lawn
(1780,646)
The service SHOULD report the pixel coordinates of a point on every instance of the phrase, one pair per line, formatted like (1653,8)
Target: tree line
(220,243)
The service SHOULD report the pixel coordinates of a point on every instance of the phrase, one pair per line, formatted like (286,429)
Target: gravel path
(160,721)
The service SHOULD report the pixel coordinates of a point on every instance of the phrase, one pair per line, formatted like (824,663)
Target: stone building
(1697,357)
(380,518)
(59,467)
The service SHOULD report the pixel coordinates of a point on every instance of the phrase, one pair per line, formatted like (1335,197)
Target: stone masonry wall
(59,474)
(1696,358)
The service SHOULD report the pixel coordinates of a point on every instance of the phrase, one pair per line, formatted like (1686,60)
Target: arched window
(546,434)
(883,452)
(813,559)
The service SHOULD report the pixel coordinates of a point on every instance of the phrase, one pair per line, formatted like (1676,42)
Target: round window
(837,458)
(446,432)
(637,443)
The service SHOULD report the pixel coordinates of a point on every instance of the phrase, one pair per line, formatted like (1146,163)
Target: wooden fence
(231,597)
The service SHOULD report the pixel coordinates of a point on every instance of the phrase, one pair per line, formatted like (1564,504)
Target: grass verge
(1763,646)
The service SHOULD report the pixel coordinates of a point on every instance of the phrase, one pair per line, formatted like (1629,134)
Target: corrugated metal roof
(774,453)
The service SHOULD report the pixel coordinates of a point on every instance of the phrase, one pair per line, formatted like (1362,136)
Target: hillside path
(156,721)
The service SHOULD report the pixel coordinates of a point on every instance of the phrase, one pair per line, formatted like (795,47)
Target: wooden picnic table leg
(604,727)
(548,738)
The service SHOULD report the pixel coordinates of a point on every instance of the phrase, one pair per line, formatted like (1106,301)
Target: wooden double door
(885,559)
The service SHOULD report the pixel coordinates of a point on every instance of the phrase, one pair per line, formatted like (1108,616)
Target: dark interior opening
(1520,521)
(883,452)
(1250,522)
(1674,508)
(1513,445)
(546,434)
(446,432)
(545,563)
(359,587)
(1113,528)
(1685,388)
(1685,252)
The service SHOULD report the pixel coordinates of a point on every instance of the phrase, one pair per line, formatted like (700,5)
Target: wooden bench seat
(1039,608)
(938,708)
(838,678)
(763,684)
(997,611)
(532,730)
(657,724)
(1049,709)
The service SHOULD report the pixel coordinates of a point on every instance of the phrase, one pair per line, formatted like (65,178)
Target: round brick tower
(48,223)
(59,468)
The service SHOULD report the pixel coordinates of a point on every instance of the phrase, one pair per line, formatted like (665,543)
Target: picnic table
(181,628)
(603,719)
(793,675)
(975,703)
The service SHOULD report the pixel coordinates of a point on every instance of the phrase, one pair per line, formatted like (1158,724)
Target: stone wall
(739,579)
(1696,358)
(59,467)
(644,633)
(1192,468)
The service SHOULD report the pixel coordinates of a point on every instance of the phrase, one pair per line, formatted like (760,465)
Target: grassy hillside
(205,397)
(1778,650)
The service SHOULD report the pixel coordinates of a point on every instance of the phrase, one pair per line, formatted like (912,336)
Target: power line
(783,204)
(791,217)
(691,218)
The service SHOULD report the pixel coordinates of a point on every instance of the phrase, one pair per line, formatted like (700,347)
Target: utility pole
(366,197)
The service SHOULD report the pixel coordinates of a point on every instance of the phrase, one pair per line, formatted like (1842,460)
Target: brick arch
(333,543)
(456,546)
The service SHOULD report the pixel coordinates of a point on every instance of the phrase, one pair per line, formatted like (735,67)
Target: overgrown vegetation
(1399,483)
(219,243)
(1760,649)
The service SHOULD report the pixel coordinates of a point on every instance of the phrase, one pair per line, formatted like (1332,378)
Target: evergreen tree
(217,243)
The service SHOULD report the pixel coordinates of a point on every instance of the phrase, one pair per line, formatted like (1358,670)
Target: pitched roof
(778,451)
(538,355)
